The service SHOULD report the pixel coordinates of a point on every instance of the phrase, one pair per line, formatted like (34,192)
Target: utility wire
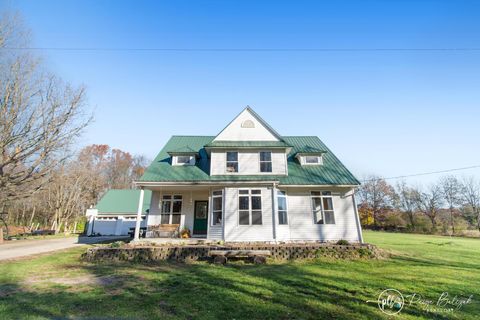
(147,49)
(422,174)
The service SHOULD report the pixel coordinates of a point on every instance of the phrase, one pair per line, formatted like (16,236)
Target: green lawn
(60,286)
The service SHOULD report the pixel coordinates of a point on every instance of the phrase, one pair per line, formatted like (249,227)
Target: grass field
(60,286)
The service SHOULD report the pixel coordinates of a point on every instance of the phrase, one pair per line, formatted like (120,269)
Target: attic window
(184,160)
(311,160)
(248,124)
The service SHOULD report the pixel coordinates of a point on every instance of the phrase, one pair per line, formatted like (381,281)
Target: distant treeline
(449,206)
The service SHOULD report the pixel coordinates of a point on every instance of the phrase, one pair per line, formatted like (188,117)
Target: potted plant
(185,233)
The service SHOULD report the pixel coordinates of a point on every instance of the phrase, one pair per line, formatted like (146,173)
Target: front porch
(182,210)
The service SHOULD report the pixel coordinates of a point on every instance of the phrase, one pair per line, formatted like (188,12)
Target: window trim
(250,210)
(191,162)
(305,163)
(321,196)
(226,162)
(286,204)
(221,196)
(171,200)
(260,162)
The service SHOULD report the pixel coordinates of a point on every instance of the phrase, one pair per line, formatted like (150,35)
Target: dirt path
(22,248)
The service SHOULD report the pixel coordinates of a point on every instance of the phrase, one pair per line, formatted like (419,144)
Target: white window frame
(318,163)
(212,221)
(171,213)
(226,162)
(284,195)
(260,162)
(191,161)
(322,210)
(250,210)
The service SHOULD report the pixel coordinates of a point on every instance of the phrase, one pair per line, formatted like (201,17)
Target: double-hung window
(282,207)
(322,205)
(265,161)
(217,207)
(171,209)
(232,161)
(250,207)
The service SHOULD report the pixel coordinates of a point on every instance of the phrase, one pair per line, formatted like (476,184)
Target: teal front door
(200,221)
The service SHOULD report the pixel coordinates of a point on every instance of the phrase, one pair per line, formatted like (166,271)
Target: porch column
(139,216)
(274,211)
(357,217)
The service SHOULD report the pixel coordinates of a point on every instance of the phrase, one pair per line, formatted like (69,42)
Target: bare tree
(376,195)
(451,189)
(65,194)
(429,203)
(406,201)
(40,117)
(470,193)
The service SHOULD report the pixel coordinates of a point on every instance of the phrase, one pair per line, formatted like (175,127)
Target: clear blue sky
(389,113)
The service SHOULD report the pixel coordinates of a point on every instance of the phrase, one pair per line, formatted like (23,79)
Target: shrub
(343,242)
(116,244)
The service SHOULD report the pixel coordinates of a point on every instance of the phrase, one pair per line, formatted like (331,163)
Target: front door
(200,218)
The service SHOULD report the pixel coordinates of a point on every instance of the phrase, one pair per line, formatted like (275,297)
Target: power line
(147,49)
(423,174)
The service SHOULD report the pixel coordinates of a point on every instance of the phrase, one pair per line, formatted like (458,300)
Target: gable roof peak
(248,114)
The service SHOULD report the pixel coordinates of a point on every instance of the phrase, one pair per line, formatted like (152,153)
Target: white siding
(301,226)
(236,232)
(248,162)
(301,220)
(235,132)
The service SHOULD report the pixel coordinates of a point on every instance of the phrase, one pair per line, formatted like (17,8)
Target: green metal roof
(309,149)
(332,172)
(123,201)
(183,150)
(247,144)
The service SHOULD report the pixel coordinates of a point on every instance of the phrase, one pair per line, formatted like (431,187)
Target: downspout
(357,218)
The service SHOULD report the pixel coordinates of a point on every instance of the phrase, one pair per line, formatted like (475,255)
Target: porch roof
(332,172)
(123,202)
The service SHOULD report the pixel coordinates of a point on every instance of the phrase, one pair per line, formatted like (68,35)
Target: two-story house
(249,183)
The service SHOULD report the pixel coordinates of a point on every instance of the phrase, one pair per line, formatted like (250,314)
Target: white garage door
(105,226)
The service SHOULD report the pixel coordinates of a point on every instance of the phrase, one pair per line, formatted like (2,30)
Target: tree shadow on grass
(196,291)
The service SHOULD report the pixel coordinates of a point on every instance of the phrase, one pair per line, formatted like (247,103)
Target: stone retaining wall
(200,252)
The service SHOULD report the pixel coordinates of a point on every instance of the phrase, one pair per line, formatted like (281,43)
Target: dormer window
(183,160)
(313,160)
(310,156)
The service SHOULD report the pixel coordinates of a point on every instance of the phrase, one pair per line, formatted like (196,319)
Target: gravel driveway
(22,248)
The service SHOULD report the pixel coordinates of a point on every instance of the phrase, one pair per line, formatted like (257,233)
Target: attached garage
(116,212)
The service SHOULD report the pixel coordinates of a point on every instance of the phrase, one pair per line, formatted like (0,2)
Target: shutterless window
(184,160)
(282,207)
(265,161)
(232,161)
(322,205)
(171,209)
(312,159)
(250,207)
(217,207)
